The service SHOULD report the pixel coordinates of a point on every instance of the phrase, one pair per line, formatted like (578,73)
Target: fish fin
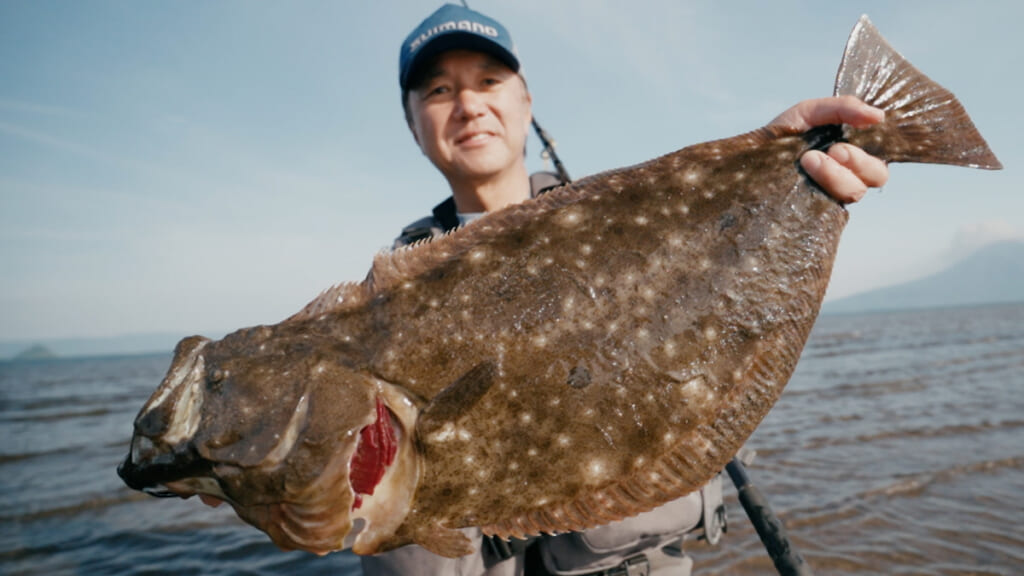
(924,122)
(444,541)
(458,398)
(336,297)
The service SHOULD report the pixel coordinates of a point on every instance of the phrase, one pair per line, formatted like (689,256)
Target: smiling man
(469,111)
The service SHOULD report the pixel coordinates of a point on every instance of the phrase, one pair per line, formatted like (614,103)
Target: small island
(35,352)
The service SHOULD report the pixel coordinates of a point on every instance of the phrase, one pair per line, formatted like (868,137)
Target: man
(469,111)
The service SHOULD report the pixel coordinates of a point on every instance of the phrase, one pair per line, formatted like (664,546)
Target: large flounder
(559,364)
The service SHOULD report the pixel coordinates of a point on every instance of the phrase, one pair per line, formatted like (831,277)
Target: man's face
(470,115)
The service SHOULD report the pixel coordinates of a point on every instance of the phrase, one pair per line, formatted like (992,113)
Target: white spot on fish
(532,452)
(563,440)
(692,177)
(670,348)
(596,470)
(571,218)
(697,390)
(446,433)
(568,303)
(586,249)
(525,418)
(641,220)
(710,333)
(478,255)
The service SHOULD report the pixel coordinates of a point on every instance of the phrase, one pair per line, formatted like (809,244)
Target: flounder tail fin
(924,122)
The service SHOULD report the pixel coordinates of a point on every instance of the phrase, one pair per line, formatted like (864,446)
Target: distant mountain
(993,274)
(101,346)
(35,352)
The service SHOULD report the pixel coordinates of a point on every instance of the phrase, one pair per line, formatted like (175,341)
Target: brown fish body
(557,365)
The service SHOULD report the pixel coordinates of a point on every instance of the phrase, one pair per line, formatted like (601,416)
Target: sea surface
(897,448)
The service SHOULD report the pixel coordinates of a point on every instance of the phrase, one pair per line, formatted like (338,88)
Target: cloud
(970,237)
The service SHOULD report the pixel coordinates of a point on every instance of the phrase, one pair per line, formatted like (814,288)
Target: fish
(556,365)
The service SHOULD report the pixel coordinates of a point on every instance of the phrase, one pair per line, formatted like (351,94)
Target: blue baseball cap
(454,27)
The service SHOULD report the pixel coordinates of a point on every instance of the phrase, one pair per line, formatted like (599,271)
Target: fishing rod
(549,152)
(769,528)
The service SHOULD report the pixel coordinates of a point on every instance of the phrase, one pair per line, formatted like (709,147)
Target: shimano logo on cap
(452,26)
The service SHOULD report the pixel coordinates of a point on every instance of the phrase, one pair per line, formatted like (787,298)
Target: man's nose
(469,103)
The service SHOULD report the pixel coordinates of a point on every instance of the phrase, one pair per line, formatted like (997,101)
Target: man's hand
(846,172)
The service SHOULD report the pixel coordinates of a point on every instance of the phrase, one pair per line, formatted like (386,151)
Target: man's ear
(409,121)
(414,136)
(529,110)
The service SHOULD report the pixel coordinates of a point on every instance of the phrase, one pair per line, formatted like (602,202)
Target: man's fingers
(833,177)
(871,171)
(834,110)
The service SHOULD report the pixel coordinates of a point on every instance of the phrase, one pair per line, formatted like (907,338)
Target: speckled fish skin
(562,363)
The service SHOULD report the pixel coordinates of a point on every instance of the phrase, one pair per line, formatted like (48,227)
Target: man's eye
(435,91)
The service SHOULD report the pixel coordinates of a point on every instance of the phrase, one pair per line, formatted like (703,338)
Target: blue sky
(203,166)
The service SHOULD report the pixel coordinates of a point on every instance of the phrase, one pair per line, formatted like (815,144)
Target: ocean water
(897,448)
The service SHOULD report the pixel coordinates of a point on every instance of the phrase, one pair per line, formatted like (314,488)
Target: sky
(197,167)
